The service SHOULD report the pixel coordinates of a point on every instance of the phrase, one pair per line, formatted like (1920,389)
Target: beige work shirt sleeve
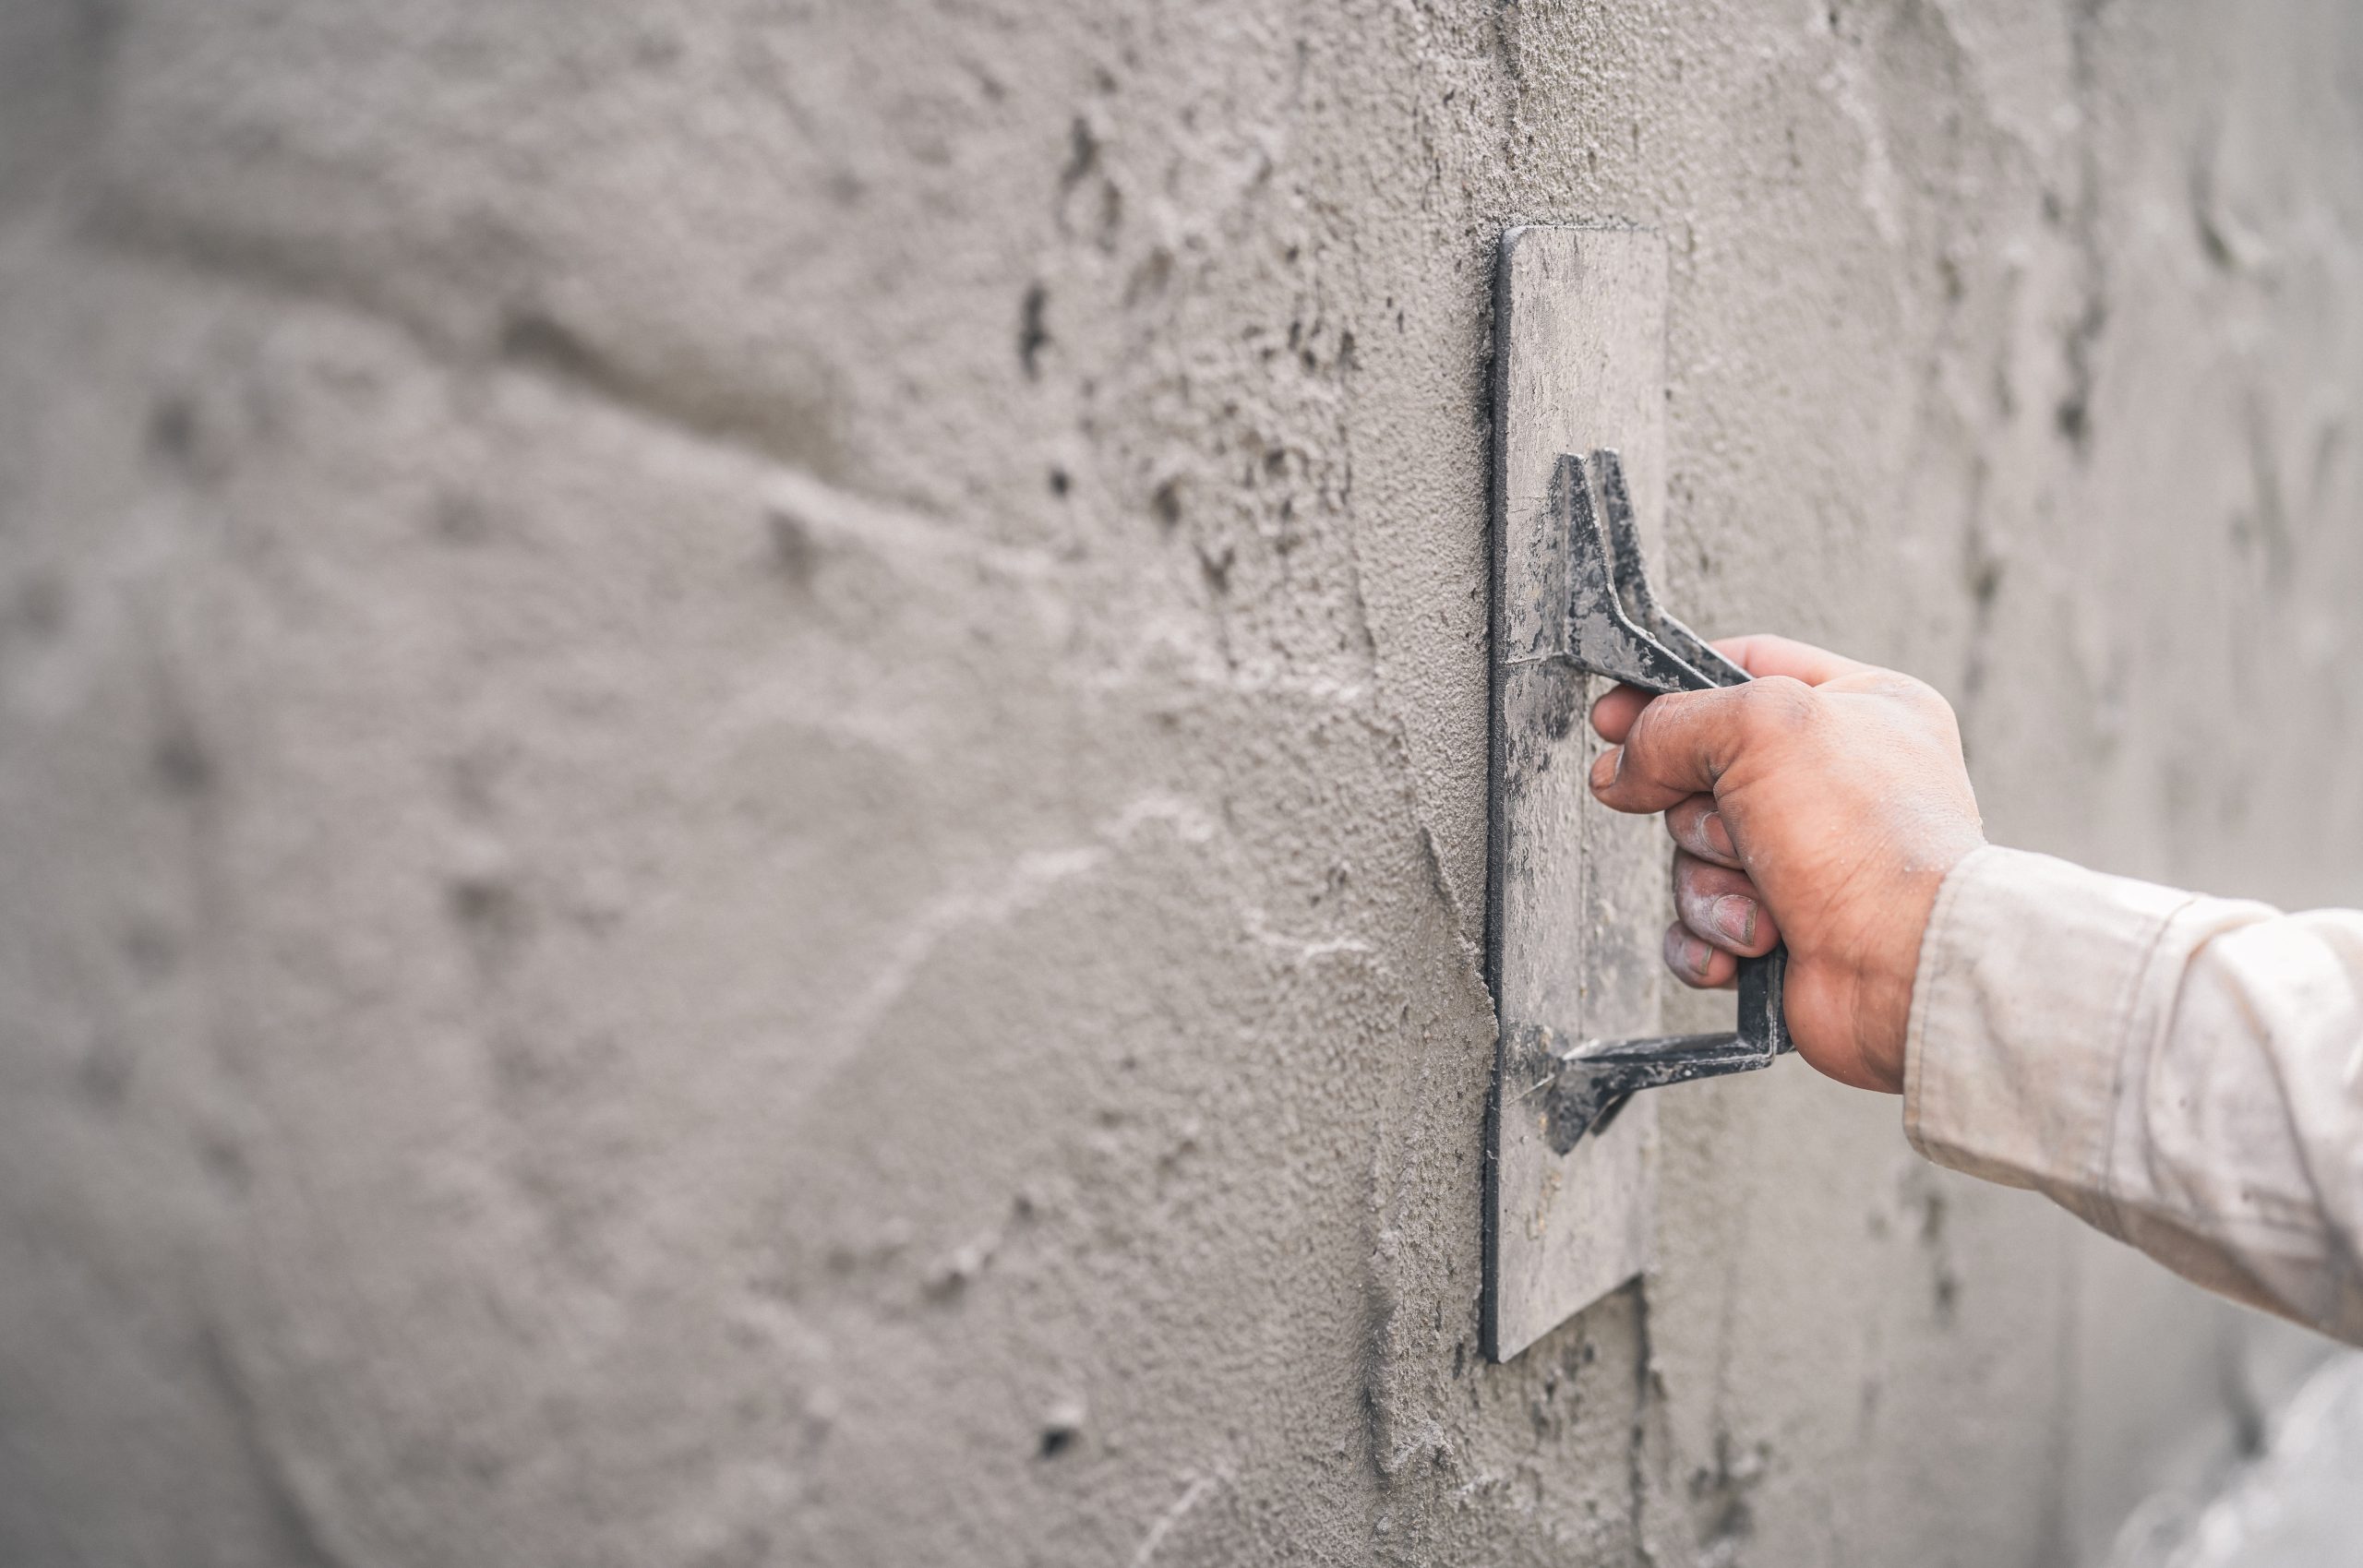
(2185,1073)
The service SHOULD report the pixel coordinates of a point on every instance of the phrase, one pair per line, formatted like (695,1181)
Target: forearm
(2185,1073)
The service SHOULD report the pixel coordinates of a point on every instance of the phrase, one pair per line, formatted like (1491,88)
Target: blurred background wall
(742,757)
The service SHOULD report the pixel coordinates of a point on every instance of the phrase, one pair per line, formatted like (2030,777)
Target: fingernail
(1691,954)
(1735,918)
(1718,837)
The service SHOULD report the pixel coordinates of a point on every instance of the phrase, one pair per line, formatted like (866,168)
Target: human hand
(1821,803)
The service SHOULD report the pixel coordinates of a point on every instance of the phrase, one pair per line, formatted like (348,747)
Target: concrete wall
(742,757)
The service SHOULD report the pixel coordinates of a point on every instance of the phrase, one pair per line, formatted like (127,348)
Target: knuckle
(1645,742)
(1776,706)
(1916,694)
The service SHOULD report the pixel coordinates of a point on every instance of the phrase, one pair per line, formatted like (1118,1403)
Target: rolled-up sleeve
(2185,1073)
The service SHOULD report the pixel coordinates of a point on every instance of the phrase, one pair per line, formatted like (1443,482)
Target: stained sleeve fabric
(2183,1073)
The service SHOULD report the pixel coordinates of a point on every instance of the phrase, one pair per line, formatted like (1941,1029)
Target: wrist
(1883,1024)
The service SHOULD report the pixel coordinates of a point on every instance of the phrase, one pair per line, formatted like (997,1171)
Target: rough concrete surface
(742,757)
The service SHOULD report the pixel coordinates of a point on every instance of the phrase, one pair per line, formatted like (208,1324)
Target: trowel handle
(1762,982)
(1614,626)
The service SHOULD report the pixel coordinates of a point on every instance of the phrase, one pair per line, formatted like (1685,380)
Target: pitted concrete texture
(742,757)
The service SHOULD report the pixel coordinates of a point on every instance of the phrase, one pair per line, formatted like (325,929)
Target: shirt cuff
(2034,976)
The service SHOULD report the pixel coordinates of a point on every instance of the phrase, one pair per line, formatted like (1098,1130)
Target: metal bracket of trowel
(1576,894)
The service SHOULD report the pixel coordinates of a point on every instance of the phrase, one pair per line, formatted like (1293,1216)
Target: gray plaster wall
(742,757)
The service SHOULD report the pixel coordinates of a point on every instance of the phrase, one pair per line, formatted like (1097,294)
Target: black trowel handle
(1762,981)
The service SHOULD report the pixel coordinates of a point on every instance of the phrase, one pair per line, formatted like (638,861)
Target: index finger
(1764,654)
(1679,747)
(1760,654)
(1613,715)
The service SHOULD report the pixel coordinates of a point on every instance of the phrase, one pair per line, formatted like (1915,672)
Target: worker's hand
(1822,803)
